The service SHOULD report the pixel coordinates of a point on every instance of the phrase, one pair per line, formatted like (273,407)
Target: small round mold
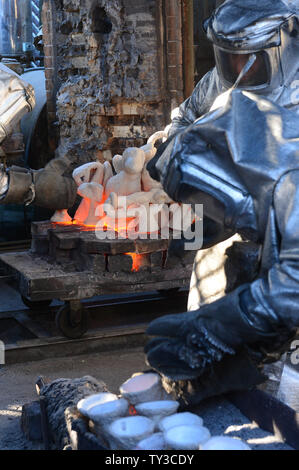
(86,404)
(157,410)
(142,388)
(107,412)
(180,419)
(224,443)
(186,437)
(154,442)
(125,433)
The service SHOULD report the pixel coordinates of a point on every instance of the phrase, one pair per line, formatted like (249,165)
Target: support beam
(188,47)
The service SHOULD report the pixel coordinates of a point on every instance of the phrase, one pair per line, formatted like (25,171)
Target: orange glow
(88,228)
(119,225)
(132,411)
(64,223)
(137,261)
(123,230)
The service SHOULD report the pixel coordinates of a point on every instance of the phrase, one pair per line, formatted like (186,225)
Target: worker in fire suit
(239,157)
(52,187)
(221,346)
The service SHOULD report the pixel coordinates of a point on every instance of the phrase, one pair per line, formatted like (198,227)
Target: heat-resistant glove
(183,349)
(51,187)
(187,345)
(217,349)
(233,373)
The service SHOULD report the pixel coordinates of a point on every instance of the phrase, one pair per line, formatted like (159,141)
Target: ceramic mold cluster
(143,417)
(124,188)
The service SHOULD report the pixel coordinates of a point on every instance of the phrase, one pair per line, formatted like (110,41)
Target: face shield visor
(260,75)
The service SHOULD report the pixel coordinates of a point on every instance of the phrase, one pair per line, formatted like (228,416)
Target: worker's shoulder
(210,78)
(206,91)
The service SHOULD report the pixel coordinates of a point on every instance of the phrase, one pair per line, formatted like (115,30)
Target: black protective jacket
(241,161)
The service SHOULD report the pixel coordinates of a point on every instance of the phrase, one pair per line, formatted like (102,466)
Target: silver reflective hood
(240,27)
(249,25)
(16,99)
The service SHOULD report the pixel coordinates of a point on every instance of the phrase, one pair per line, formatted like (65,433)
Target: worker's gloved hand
(3,180)
(49,187)
(182,349)
(188,344)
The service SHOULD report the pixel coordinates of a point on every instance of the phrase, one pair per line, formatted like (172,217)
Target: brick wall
(50,62)
(174,48)
(113,72)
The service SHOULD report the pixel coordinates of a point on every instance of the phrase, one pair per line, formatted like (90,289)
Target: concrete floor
(17,386)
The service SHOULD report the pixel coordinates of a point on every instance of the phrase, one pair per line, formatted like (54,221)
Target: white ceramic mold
(154,442)
(157,410)
(224,443)
(142,388)
(125,433)
(180,419)
(103,408)
(85,404)
(107,412)
(186,437)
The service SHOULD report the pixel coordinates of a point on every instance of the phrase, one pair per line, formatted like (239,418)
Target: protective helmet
(266,30)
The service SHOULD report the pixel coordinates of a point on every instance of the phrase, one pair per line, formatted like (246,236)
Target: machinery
(19,24)
(21,51)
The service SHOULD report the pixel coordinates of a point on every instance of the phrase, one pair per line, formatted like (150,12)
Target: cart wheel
(72,320)
(37,304)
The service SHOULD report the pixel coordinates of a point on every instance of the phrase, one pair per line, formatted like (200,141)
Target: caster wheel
(72,320)
(36,305)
